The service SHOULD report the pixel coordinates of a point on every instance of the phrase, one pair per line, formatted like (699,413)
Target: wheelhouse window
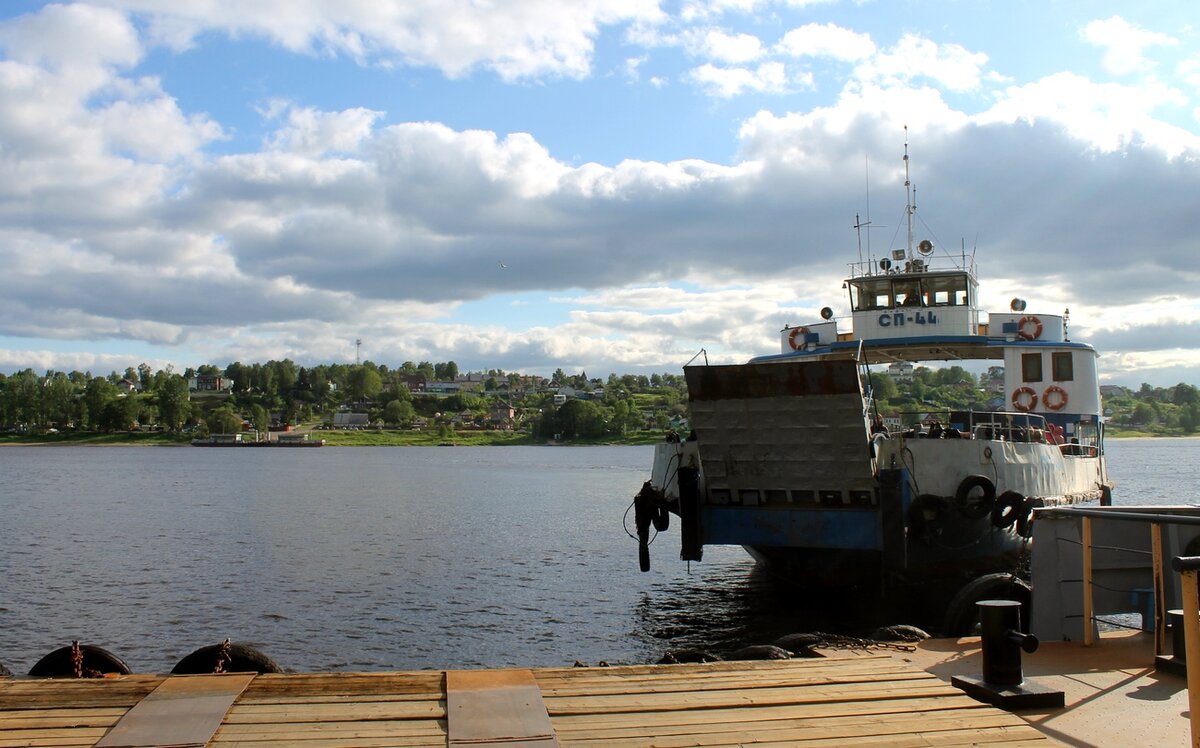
(871,294)
(908,293)
(1031,367)
(1064,366)
(947,290)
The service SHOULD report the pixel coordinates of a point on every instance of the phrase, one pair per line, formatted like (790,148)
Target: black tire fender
(662,517)
(962,614)
(243,658)
(1010,506)
(59,663)
(974,506)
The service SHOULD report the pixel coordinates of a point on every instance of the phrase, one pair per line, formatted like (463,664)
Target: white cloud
(311,132)
(724,47)
(71,37)
(516,40)
(912,58)
(697,10)
(826,40)
(341,225)
(1124,44)
(727,82)
(1107,116)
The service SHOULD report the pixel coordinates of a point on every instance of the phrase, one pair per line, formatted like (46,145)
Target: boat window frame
(1062,366)
(1032,369)
(871,294)
(956,290)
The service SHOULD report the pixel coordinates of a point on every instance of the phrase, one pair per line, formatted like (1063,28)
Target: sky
(601,186)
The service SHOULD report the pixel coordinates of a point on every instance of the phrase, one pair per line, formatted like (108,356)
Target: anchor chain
(223,657)
(77,663)
(841,641)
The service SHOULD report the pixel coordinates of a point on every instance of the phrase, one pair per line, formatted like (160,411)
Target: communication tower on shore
(357,351)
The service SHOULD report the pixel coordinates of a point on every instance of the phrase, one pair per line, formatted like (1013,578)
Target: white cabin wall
(1083,392)
(826,333)
(1051,326)
(913,322)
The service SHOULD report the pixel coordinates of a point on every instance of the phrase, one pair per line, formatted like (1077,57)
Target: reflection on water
(746,604)
(408,558)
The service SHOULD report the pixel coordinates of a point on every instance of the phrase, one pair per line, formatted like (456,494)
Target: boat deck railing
(1111,562)
(969,424)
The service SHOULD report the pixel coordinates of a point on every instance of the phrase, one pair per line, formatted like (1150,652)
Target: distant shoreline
(402,439)
(338,439)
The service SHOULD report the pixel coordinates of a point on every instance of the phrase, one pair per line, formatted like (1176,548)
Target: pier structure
(871,699)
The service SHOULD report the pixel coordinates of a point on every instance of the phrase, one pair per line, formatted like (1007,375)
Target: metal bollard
(1000,622)
(1002,641)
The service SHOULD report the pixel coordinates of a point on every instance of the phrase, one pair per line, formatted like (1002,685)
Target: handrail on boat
(1187,567)
(1155,520)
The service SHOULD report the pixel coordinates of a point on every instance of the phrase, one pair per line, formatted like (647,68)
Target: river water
(389,558)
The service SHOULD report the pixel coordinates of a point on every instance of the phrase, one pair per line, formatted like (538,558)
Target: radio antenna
(910,193)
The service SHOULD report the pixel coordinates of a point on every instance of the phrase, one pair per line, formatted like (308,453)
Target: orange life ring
(1060,397)
(797,332)
(1021,395)
(1037,328)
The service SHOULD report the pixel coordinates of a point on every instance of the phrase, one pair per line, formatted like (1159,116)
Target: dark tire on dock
(4,672)
(962,614)
(243,658)
(60,664)
(761,652)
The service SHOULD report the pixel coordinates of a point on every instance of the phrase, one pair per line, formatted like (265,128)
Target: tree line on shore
(281,392)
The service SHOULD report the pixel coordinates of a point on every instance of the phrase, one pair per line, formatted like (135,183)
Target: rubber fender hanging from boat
(962,615)
(1025,521)
(926,510)
(79,661)
(662,517)
(975,497)
(1024,399)
(228,657)
(1010,506)
(1029,328)
(691,541)
(1059,399)
(797,332)
(644,512)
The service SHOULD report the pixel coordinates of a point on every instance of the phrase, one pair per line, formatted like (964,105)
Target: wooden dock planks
(839,701)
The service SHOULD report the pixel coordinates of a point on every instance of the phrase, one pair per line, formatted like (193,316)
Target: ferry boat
(790,458)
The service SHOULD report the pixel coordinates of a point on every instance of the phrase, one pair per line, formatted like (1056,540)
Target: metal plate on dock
(182,711)
(496,707)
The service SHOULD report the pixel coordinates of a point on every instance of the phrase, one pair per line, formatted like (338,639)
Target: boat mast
(910,193)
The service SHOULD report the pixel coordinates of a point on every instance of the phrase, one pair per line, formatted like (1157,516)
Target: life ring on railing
(1022,328)
(797,332)
(1024,399)
(1059,400)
